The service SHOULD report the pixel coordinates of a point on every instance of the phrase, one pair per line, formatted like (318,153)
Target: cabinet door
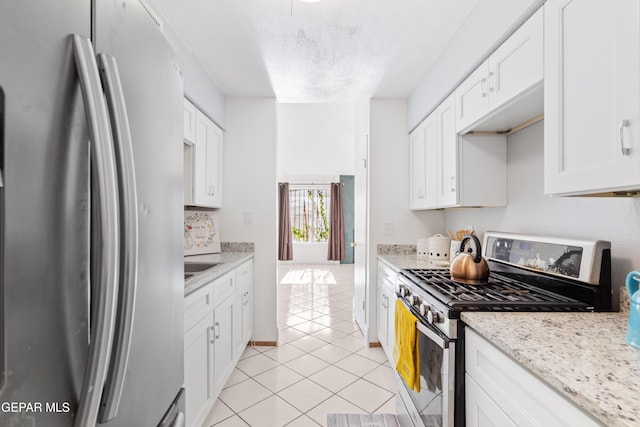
(198,370)
(207,185)
(214,166)
(223,347)
(518,63)
(592,96)
(472,97)
(431,162)
(480,409)
(391,322)
(243,313)
(382,315)
(417,171)
(447,154)
(189,121)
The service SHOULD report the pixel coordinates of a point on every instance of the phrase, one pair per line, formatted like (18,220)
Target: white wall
(529,211)
(250,186)
(315,139)
(389,191)
(315,145)
(488,24)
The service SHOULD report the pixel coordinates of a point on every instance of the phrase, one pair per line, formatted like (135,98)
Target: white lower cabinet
(215,337)
(386,308)
(500,392)
(223,338)
(244,305)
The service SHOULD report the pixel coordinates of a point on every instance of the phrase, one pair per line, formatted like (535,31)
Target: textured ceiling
(329,51)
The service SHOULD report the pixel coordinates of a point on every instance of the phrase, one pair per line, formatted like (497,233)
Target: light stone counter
(582,355)
(227,262)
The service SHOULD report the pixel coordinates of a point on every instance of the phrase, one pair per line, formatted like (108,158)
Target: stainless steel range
(527,273)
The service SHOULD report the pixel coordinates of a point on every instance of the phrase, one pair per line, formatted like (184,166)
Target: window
(309,213)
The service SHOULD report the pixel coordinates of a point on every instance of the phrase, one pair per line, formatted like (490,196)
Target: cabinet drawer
(387,275)
(224,286)
(244,272)
(197,305)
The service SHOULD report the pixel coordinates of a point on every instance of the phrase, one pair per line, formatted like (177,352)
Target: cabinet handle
(492,86)
(623,124)
(247,300)
(483,88)
(211,330)
(217,334)
(453,184)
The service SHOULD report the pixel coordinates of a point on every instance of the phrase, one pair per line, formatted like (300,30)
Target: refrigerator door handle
(106,244)
(128,236)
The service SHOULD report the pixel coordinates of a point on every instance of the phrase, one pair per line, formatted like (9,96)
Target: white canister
(455,246)
(439,246)
(422,248)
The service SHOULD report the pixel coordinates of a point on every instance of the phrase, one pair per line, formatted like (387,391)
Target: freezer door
(151,79)
(44,213)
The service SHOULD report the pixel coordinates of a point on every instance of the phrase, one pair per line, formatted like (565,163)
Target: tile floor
(321,365)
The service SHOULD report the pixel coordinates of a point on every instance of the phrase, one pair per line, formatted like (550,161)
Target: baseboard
(263,343)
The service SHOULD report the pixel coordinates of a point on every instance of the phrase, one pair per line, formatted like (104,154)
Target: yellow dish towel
(405,349)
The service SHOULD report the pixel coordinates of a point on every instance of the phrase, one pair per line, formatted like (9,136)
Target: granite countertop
(227,262)
(582,355)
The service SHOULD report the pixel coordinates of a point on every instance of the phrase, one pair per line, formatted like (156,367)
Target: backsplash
(396,249)
(237,247)
(201,233)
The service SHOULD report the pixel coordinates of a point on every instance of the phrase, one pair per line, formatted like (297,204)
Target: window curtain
(336,224)
(285,239)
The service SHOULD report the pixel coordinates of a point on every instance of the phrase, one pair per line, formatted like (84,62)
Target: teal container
(633,330)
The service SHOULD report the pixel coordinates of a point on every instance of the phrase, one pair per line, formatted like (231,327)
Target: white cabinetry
(202,159)
(244,307)
(189,122)
(386,308)
(217,326)
(514,68)
(459,170)
(500,392)
(422,167)
(592,97)
(199,355)
(207,188)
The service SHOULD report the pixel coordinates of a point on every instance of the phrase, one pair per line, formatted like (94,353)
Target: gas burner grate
(501,293)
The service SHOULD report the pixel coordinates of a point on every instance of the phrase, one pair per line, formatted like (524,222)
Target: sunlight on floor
(308,276)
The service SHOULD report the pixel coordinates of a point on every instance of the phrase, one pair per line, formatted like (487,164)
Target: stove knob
(434,317)
(424,309)
(414,300)
(404,291)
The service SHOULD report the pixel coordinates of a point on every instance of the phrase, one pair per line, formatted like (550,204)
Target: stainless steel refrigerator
(91,291)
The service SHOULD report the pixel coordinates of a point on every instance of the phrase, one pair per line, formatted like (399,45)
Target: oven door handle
(433,336)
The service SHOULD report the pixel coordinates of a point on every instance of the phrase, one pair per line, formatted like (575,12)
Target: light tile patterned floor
(321,366)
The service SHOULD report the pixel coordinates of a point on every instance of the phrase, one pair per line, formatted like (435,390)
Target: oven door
(433,405)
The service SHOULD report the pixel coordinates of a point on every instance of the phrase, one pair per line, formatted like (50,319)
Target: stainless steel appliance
(527,273)
(91,216)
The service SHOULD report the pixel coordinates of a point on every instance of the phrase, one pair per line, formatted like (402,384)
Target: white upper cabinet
(447,154)
(423,164)
(207,178)
(592,97)
(515,68)
(189,122)
(472,97)
(518,63)
(457,170)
